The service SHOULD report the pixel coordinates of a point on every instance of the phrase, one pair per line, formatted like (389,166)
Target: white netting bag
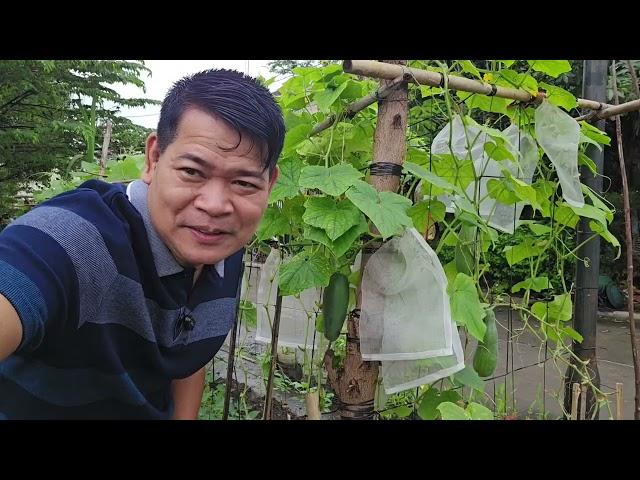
(467,143)
(405,311)
(298,314)
(559,136)
(498,214)
(404,374)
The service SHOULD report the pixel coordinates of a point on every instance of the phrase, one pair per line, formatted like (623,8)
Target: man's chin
(201,258)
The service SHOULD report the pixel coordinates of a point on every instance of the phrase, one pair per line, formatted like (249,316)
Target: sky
(165,72)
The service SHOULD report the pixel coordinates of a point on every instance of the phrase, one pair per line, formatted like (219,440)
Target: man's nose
(214,199)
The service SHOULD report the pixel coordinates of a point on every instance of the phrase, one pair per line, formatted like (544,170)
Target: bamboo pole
(268,401)
(629,245)
(355,107)
(619,402)
(370,68)
(575,395)
(105,147)
(232,350)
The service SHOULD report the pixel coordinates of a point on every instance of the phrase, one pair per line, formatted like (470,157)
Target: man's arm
(10,328)
(187,396)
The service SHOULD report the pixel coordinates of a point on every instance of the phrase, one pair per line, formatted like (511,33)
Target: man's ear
(274,178)
(151,157)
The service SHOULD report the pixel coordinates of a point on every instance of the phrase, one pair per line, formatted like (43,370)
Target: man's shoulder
(87,215)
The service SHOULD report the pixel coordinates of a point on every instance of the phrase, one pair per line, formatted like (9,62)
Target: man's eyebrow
(195,158)
(241,172)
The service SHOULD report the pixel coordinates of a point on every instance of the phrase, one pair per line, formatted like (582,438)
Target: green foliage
(51,114)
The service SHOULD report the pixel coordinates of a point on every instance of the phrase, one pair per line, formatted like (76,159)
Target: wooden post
(619,402)
(105,147)
(312,401)
(575,395)
(629,248)
(355,384)
(266,413)
(232,350)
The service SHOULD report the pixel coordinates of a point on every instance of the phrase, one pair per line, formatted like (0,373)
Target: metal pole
(586,299)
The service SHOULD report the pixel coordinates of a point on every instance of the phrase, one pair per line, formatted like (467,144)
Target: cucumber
(335,302)
(486,356)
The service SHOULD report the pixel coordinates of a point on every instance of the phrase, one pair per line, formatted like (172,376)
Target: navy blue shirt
(109,317)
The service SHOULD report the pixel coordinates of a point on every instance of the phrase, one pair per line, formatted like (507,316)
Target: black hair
(237,99)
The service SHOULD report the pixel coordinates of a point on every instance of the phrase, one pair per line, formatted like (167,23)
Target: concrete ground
(525,386)
(521,386)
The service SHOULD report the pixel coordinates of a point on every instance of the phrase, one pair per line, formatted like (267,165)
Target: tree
(49,112)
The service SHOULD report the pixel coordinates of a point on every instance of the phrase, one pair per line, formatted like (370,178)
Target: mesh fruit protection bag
(559,136)
(468,143)
(525,150)
(298,313)
(405,313)
(401,375)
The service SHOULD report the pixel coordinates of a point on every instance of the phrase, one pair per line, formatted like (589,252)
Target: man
(113,300)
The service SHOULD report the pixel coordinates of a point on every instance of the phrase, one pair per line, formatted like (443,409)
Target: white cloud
(165,72)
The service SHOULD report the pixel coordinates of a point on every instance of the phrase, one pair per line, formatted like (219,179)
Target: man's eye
(244,184)
(190,172)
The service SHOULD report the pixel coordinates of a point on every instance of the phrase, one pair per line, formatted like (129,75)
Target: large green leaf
(305,270)
(522,189)
(432,178)
(451,411)
(585,160)
(327,97)
(561,308)
(553,68)
(598,202)
(479,412)
(539,229)
(485,103)
(387,210)
(287,185)
(420,212)
(594,133)
(590,211)
(501,191)
(335,218)
(123,171)
(469,67)
(513,79)
(606,234)
(559,96)
(341,244)
(534,283)
(294,136)
(428,408)
(248,313)
(465,305)
(333,181)
(564,215)
(526,249)
(458,172)
(273,223)
(469,377)
(498,151)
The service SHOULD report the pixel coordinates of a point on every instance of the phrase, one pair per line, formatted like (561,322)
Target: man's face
(205,198)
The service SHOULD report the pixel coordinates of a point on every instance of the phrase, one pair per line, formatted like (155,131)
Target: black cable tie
(385,168)
(494,90)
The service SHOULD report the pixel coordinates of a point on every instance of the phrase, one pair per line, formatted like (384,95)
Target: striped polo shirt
(109,317)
